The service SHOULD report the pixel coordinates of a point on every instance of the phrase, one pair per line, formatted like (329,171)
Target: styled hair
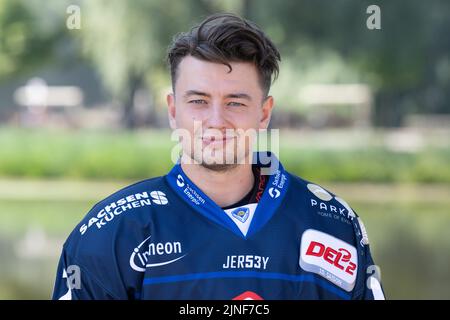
(225,38)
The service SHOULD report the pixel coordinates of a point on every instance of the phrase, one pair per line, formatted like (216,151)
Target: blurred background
(362,104)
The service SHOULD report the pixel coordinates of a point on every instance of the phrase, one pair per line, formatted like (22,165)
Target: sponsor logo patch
(125,204)
(329,257)
(278,184)
(337,210)
(150,255)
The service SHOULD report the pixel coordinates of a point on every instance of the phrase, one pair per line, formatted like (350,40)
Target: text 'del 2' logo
(332,256)
(329,257)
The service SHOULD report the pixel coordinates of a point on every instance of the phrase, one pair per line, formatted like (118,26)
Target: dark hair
(225,38)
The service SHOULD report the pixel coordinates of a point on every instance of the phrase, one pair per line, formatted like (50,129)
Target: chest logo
(241,214)
(150,255)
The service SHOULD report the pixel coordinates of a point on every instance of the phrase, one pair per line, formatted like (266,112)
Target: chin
(218,167)
(221,162)
(219,159)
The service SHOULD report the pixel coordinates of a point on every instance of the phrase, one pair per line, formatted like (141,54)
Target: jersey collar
(271,199)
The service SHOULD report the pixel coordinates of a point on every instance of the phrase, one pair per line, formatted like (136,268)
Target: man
(223,223)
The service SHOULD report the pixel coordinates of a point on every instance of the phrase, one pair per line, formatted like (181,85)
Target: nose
(216,117)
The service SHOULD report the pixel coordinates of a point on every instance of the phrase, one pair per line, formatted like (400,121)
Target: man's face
(218,111)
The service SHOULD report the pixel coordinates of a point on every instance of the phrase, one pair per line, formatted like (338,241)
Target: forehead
(196,74)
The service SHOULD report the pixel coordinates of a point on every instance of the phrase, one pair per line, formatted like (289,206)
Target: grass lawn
(105,155)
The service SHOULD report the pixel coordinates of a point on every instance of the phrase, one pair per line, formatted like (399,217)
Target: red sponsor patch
(248,295)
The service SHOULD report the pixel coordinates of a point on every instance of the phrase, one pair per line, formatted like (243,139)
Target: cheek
(189,123)
(247,120)
(190,114)
(185,118)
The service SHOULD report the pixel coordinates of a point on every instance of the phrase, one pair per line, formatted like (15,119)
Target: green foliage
(139,155)
(83,155)
(129,39)
(30,31)
(406,63)
(370,165)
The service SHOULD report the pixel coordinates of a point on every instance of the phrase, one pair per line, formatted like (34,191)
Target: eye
(236,104)
(198,101)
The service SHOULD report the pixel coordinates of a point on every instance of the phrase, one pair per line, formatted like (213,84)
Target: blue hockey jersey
(163,238)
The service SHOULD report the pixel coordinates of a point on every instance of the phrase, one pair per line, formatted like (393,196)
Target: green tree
(127,41)
(26,40)
(406,62)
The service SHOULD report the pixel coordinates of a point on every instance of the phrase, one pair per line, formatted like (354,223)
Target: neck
(223,187)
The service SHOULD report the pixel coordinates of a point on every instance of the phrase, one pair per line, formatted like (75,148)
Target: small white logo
(180,181)
(159,197)
(319,192)
(274,193)
(351,214)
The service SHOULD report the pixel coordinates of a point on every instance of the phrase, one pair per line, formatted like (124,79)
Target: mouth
(219,141)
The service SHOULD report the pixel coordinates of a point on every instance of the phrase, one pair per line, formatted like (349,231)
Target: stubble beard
(224,164)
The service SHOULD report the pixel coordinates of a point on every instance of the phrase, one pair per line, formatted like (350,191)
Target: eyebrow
(195,93)
(239,96)
(204,94)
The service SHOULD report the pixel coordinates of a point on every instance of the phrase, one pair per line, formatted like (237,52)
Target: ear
(171,110)
(266,112)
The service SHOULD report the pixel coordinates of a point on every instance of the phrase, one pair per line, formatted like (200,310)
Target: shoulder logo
(319,192)
(122,205)
(350,213)
(180,181)
(274,193)
(337,211)
(329,257)
(159,197)
(364,237)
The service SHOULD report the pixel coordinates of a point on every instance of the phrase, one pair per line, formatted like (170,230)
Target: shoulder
(101,244)
(326,211)
(109,218)
(319,197)
(333,236)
